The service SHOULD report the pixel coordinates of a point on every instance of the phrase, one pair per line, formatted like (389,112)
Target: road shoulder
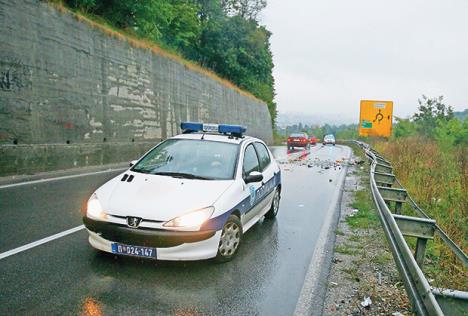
(362,264)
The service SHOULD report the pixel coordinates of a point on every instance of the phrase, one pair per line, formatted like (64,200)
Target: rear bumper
(298,144)
(158,238)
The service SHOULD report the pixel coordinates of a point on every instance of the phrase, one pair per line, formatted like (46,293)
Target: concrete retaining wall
(71,95)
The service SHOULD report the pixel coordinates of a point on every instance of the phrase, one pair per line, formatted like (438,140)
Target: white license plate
(136,251)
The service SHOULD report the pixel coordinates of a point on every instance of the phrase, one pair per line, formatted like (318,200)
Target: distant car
(191,197)
(298,140)
(329,139)
(313,140)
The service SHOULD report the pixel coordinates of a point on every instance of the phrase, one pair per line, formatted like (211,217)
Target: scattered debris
(366,302)
(353,212)
(333,283)
(336,260)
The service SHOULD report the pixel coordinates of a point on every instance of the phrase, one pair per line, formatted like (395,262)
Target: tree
(247,9)
(431,111)
(403,128)
(222,35)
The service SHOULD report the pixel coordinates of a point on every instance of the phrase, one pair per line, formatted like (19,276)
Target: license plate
(136,251)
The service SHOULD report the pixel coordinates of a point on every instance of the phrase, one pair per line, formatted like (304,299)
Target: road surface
(67,276)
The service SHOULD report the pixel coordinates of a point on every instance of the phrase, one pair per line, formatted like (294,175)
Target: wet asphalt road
(66,276)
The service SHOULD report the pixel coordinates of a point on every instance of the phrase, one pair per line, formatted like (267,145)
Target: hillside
(221,36)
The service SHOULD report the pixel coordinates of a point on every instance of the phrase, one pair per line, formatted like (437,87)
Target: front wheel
(231,237)
(274,205)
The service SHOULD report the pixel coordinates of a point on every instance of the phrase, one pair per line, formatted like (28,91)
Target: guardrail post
(420,253)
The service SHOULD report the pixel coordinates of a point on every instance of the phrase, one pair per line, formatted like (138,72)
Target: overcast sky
(329,54)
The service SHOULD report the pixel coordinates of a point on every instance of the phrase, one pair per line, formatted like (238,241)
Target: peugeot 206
(191,197)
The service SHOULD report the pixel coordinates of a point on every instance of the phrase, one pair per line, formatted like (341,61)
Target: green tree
(403,128)
(223,35)
(247,9)
(431,111)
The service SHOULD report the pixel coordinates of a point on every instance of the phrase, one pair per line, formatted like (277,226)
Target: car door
(249,164)
(266,191)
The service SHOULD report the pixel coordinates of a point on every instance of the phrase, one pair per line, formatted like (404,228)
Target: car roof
(215,137)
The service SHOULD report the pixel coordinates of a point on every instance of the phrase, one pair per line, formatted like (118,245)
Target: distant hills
(461,114)
(290,118)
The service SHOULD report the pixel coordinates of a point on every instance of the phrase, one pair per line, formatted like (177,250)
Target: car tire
(231,237)
(274,206)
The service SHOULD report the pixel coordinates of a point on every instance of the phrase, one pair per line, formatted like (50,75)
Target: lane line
(39,242)
(59,178)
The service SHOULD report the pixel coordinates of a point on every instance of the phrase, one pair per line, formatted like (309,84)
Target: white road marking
(59,178)
(39,242)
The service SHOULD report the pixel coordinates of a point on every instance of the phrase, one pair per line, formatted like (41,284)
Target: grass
(366,217)
(436,176)
(345,249)
(339,232)
(105,27)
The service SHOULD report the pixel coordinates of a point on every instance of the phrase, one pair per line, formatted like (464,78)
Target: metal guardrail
(387,191)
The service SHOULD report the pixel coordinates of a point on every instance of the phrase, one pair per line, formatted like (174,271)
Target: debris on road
(366,302)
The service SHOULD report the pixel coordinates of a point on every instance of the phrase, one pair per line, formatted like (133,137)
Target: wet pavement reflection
(69,277)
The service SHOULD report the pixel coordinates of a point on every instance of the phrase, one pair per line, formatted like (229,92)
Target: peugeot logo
(133,222)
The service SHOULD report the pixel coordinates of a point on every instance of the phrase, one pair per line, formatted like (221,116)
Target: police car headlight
(94,209)
(193,219)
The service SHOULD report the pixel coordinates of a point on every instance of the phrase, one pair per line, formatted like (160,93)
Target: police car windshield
(191,159)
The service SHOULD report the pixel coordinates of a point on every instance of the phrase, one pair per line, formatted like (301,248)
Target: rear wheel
(274,205)
(231,237)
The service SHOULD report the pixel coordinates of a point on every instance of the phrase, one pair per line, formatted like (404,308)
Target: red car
(298,140)
(313,140)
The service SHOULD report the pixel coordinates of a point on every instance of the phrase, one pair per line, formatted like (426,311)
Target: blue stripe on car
(244,206)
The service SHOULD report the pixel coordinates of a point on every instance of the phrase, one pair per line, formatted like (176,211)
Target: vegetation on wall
(222,35)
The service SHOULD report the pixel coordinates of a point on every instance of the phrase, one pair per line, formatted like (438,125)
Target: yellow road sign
(376,118)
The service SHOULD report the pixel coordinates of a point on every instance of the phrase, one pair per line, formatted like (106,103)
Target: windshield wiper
(182,175)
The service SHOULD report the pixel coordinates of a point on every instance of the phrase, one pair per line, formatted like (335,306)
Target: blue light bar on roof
(232,129)
(190,127)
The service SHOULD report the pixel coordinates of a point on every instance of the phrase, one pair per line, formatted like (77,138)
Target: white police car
(191,197)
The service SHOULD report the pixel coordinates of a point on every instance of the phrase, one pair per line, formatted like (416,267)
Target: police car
(191,197)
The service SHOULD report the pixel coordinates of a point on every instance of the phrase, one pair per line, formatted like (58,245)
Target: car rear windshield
(298,135)
(193,159)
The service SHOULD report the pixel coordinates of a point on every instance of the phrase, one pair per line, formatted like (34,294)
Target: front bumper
(170,245)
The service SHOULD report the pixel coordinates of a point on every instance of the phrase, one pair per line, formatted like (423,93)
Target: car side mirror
(132,163)
(254,176)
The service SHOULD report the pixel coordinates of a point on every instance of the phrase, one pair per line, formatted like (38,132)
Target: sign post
(376,118)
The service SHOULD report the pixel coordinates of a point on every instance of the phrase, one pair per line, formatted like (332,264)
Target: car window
(200,158)
(263,155)
(250,160)
(298,135)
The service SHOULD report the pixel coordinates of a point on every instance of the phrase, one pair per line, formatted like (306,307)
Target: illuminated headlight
(94,209)
(191,220)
